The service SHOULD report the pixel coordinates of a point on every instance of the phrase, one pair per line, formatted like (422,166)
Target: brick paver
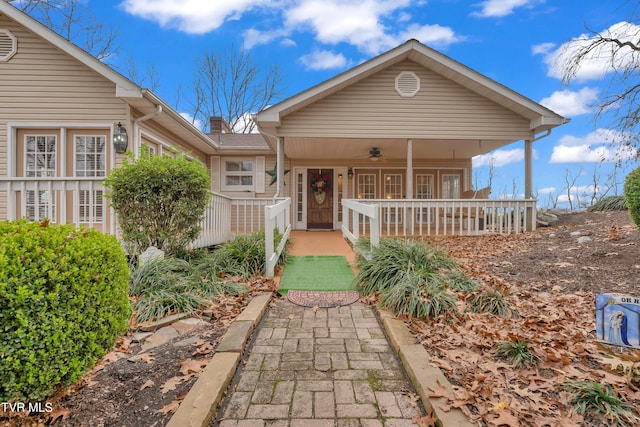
(319,367)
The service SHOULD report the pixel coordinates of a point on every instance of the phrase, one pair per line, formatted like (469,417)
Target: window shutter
(260,172)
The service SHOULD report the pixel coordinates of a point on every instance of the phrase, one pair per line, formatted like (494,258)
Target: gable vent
(8,45)
(407,84)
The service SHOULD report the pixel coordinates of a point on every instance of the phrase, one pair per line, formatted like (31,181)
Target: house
(384,147)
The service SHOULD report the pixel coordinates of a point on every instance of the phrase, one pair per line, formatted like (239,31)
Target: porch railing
(277,217)
(422,217)
(78,201)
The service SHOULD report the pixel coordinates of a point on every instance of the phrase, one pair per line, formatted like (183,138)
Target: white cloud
(500,157)
(323,60)
(542,48)
(365,24)
(499,8)
(191,16)
(197,123)
(569,103)
(547,190)
(596,146)
(597,63)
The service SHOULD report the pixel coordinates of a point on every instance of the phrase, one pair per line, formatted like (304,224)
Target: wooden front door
(320,199)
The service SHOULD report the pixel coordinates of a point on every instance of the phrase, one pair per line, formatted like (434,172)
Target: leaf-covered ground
(552,281)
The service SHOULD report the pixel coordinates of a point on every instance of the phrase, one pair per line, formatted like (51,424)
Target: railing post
(268,241)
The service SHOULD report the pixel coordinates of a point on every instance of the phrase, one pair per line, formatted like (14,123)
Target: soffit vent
(407,84)
(8,45)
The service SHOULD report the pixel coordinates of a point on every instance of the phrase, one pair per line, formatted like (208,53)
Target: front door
(320,199)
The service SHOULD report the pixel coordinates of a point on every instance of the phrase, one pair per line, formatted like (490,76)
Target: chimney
(215,125)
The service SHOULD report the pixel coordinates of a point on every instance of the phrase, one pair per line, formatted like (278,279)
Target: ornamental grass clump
(600,404)
(517,352)
(168,285)
(244,256)
(493,301)
(411,278)
(63,303)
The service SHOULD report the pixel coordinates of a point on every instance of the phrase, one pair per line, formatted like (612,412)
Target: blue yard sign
(618,320)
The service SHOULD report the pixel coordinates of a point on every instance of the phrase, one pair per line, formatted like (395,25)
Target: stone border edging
(199,406)
(415,360)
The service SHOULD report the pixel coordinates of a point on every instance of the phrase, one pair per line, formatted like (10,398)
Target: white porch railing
(277,216)
(78,201)
(422,217)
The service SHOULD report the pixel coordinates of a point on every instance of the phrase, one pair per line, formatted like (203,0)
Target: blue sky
(515,42)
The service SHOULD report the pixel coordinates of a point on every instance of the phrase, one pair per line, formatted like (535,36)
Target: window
(40,155)
(40,161)
(392,190)
(366,186)
(450,186)
(90,155)
(424,190)
(239,175)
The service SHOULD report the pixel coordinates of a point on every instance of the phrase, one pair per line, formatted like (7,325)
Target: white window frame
(90,206)
(38,204)
(425,215)
(225,173)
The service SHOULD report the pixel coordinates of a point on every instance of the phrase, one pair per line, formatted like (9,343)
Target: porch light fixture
(350,173)
(120,139)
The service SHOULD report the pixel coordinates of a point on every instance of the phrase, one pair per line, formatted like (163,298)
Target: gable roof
(540,118)
(125,89)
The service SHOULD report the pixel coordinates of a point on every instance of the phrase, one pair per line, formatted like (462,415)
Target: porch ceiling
(391,149)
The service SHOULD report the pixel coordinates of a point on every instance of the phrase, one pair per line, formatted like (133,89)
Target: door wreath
(320,186)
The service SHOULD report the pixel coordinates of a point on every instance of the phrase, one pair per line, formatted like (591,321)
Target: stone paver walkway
(320,367)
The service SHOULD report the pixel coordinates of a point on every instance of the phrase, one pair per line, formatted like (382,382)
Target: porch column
(528,169)
(409,190)
(528,182)
(280,165)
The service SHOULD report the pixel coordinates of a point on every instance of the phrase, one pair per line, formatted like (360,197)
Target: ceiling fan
(374,154)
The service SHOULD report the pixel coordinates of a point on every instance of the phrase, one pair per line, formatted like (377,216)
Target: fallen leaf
(315,308)
(170,407)
(145,357)
(192,366)
(291,316)
(440,391)
(172,383)
(148,384)
(59,415)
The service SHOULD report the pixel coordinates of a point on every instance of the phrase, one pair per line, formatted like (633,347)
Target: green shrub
(159,201)
(63,303)
(163,286)
(600,403)
(609,203)
(632,195)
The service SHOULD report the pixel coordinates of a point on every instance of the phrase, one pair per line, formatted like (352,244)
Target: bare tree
(570,181)
(150,79)
(231,85)
(74,21)
(619,49)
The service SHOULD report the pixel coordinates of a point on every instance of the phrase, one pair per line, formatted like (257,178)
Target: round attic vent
(407,84)
(8,45)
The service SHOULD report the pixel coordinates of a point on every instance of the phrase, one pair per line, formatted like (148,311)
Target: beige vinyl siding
(41,81)
(372,107)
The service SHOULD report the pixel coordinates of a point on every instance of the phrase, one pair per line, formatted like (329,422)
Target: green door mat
(317,273)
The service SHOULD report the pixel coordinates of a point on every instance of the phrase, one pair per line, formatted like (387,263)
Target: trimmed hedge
(63,303)
(632,195)
(159,200)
